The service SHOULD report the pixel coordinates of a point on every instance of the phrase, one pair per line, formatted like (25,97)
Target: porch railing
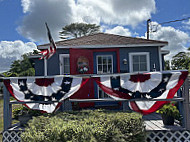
(183,97)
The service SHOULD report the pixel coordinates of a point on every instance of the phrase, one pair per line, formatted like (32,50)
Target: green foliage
(78,30)
(86,126)
(167,65)
(23,67)
(181,61)
(169,109)
(20,111)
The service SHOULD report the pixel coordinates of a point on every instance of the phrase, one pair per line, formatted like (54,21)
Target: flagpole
(47,53)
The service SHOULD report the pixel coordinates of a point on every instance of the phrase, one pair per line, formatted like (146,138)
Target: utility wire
(156,26)
(174,21)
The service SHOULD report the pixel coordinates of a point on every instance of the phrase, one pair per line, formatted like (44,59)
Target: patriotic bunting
(54,89)
(153,85)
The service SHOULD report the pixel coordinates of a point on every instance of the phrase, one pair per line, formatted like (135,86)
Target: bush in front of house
(86,126)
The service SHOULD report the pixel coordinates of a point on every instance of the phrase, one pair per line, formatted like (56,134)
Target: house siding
(124,54)
(39,67)
(53,67)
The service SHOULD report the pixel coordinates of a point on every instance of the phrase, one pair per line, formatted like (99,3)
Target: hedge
(86,126)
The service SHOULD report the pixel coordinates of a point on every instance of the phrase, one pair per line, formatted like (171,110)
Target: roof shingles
(105,39)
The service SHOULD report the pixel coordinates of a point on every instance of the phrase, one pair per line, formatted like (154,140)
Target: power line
(156,26)
(174,21)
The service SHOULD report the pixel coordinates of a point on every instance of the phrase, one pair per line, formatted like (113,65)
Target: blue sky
(22,22)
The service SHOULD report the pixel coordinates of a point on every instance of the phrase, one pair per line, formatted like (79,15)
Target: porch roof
(104,40)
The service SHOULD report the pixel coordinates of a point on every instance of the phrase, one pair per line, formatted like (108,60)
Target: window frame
(139,53)
(107,64)
(61,56)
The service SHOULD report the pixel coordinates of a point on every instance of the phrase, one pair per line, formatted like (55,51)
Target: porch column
(186,103)
(7,109)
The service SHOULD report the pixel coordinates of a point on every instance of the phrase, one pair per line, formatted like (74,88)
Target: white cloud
(119,30)
(14,49)
(177,39)
(26,5)
(58,13)
(123,12)
(186,25)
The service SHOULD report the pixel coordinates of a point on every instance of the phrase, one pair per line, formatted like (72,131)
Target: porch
(156,131)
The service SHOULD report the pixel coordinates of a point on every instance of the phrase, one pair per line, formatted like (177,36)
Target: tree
(167,65)
(181,61)
(23,67)
(79,29)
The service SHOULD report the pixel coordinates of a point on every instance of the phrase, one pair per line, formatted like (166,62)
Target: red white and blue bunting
(54,89)
(152,85)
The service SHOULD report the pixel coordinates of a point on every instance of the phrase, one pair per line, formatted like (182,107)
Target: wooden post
(125,105)
(7,109)
(186,104)
(66,105)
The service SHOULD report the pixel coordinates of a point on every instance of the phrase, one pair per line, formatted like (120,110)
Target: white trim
(45,67)
(139,53)
(165,52)
(106,46)
(98,88)
(103,56)
(61,56)
(160,57)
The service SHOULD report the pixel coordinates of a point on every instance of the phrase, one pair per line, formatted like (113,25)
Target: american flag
(46,54)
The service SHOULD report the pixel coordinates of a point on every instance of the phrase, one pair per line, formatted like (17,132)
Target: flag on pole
(46,54)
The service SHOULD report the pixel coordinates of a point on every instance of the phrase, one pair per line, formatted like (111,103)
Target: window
(139,62)
(104,65)
(64,64)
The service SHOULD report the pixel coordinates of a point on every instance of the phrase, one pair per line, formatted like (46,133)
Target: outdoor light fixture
(124,61)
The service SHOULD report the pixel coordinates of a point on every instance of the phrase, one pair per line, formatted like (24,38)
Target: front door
(105,63)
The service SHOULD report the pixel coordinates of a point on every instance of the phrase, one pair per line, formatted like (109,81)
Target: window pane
(143,67)
(105,68)
(104,64)
(136,67)
(104,60)
(66,61)
(66,69)
(110,68)
(135,59)
(66,65)
(142,58)
(109,60)
(99,60)
(99,67)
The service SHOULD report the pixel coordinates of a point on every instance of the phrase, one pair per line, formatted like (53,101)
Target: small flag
(46,54)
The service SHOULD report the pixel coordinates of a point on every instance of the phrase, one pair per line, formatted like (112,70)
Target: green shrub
(23,110)
(86,126)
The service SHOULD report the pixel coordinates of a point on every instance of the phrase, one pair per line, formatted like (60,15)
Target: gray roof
(104,39)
